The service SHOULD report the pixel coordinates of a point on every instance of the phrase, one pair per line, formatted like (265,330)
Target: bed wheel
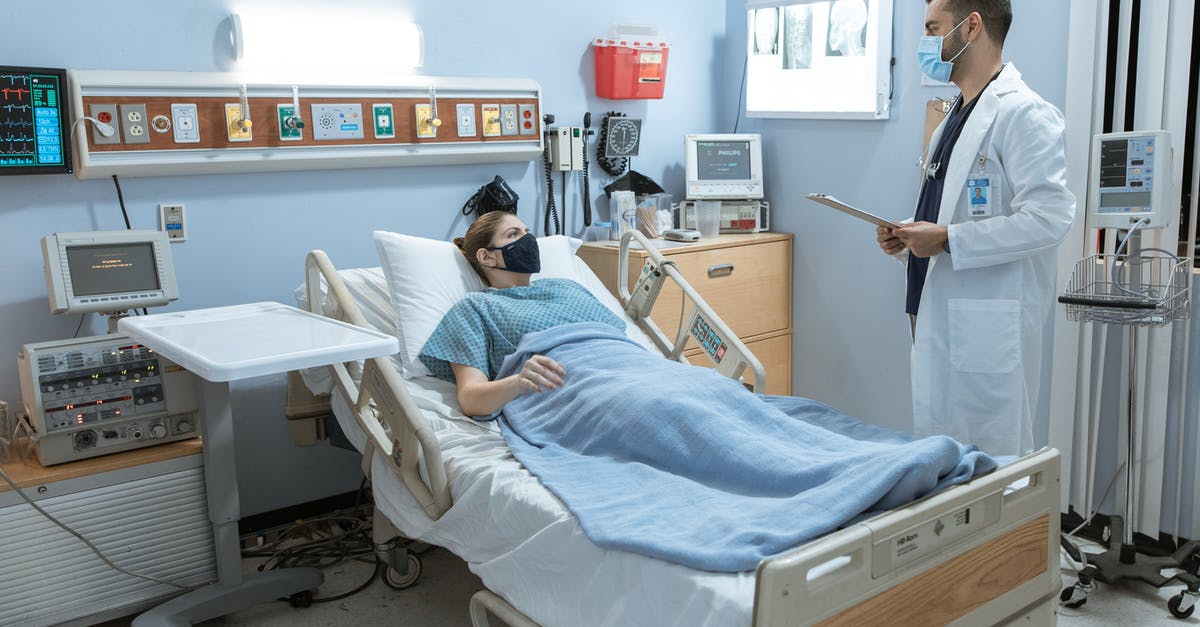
(304,598)
(398,581)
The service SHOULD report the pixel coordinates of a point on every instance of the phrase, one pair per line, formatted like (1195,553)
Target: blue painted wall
(248,233)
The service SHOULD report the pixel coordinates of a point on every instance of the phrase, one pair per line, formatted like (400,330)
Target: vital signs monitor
(1130,180)
(108,271)
(724,166)
(34,126)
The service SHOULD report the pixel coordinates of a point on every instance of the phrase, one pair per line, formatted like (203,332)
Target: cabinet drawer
(748,286)
(774,353)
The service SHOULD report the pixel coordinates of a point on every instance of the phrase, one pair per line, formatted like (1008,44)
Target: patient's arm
(480,397)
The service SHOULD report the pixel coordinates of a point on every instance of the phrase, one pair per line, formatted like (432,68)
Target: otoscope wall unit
(208,123)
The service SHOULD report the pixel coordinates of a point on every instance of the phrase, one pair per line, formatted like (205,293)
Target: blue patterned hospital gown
(485,327)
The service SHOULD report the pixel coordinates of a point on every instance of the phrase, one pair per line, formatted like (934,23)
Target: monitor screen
(723,160)
(34,123)
(112,268)
(108,271)
(723,166)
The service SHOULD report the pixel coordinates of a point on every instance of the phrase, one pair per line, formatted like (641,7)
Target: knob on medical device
(295,120)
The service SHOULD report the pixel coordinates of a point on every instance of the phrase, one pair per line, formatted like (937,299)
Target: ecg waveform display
(31,121)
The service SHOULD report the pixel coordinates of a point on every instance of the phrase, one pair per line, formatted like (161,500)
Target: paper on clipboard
(830,201)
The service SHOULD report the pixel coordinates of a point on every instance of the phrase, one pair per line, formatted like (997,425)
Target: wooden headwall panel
(265,129)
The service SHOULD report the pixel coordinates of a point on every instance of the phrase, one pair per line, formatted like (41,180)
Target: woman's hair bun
(460,242)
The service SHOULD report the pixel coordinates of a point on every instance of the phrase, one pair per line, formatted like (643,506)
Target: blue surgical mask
(521,255)
(929,55)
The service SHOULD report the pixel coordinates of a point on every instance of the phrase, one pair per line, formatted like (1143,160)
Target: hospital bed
(444,479)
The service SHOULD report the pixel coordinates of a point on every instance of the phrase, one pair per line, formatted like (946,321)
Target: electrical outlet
(491,119)
(526,119)
(288,130)
(106,113)
(171,220)
(185,121)
(425,126)
(133,123)
(385,121)
(466,120)
(508,119)
(236,132)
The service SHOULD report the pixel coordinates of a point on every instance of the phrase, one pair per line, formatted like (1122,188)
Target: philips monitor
(35,126)
(108,271)
(724,166)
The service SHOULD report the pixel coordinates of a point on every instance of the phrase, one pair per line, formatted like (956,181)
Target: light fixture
(331,40)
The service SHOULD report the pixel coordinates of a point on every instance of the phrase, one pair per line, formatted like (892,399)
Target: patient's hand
(541,373)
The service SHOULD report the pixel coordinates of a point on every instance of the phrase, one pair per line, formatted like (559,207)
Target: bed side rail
(727,353)
(384,409)
(987,550)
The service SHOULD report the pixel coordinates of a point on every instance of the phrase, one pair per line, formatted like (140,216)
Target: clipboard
(830,201)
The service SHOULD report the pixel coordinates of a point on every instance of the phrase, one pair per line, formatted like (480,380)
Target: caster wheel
(1174,604)
(303,598)
(396,581)
(1065,598)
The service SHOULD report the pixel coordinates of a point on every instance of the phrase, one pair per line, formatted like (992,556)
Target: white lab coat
(986,306)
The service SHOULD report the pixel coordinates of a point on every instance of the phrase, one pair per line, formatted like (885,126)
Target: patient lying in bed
(654,456)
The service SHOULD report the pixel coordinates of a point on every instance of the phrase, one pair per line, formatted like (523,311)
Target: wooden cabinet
(746,279)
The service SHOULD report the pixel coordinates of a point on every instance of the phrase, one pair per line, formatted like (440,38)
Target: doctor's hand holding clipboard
(923,239)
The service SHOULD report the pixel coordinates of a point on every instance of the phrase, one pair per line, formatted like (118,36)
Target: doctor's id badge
(979,197)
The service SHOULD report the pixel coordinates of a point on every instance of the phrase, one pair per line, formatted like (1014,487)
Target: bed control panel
(897,550)
(96,395)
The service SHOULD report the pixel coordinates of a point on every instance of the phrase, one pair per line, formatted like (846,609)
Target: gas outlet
(385,121)
(466,120)
(185,122)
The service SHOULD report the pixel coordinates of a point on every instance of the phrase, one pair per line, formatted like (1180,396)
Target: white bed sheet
(528,548)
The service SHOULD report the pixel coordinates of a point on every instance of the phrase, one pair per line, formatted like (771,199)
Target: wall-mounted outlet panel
(171,220)
(465,114)
(384,121)
(106,113)
(491,119)
(134,125)
(508,119)
(527,119)
(236,131)
(424,117)
(186,122)
(289,131)
(337,121)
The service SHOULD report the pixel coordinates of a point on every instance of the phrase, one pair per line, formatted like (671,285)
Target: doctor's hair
(479,235)
(996,14)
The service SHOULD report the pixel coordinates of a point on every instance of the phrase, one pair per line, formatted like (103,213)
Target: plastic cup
(708,218)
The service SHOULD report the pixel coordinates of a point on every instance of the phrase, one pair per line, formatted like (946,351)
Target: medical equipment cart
(145,509)
(1134,290)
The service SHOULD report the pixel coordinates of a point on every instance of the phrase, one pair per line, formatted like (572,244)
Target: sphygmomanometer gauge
(623,137)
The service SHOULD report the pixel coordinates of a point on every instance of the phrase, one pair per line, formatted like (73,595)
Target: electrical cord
(551,210)
(105,130)
(121,200)
(587,187)
(741,93)
(87,542)
(79,326)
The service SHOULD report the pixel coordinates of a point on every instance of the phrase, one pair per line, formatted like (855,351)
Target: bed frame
(983,553)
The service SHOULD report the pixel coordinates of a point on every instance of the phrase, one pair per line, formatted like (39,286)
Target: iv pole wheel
(1173,606)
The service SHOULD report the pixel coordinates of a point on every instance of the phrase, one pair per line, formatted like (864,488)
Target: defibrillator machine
(727,168)
(105,394)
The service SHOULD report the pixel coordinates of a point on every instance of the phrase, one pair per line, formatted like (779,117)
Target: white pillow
(427,277)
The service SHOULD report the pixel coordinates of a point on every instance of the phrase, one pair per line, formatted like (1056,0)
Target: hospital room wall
(852,338)
(248,233)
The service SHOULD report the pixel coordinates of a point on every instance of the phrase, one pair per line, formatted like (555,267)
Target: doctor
(981,271)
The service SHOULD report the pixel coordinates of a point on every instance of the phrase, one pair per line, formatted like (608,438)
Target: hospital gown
(485,327)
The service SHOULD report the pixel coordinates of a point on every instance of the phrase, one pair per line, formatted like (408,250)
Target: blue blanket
(683,464)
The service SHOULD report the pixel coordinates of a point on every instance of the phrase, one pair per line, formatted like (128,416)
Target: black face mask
(522,255)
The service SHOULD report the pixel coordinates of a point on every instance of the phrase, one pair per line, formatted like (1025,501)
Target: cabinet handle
(724,269)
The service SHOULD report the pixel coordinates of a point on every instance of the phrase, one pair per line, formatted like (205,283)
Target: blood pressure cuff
(495,196)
